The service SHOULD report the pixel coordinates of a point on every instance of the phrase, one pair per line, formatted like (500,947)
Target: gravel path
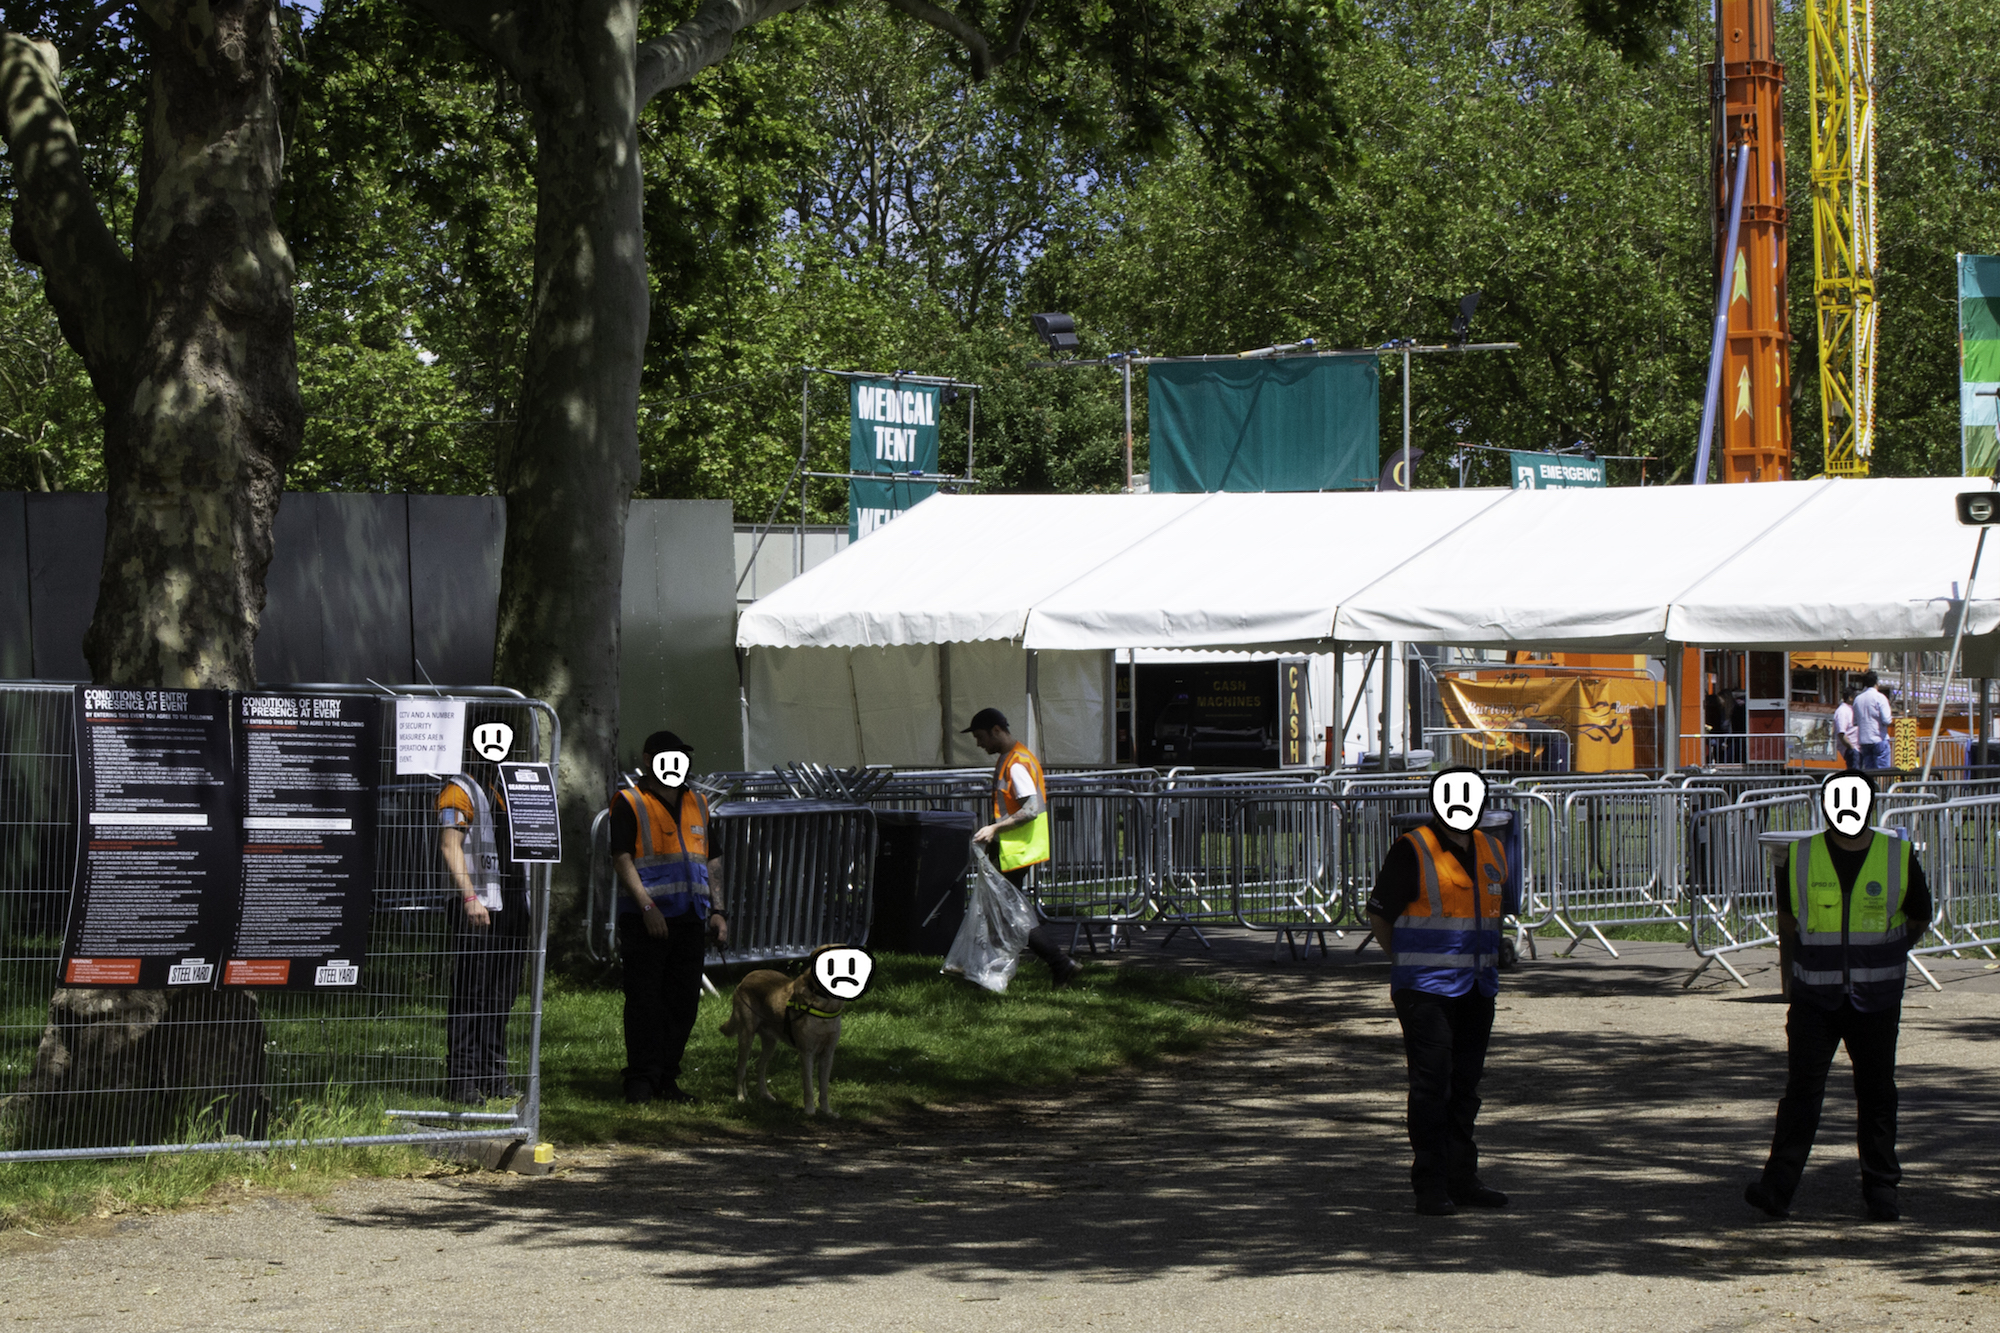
(1261,1185)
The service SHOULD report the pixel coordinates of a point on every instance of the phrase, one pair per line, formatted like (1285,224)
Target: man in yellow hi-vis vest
(1018,837)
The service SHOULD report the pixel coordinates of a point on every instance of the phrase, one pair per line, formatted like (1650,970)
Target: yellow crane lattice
(1842,68)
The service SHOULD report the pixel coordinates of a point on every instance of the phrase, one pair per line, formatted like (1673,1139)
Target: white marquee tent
(966,601)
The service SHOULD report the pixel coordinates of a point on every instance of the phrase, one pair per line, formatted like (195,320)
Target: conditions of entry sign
(156,875)
(306,771)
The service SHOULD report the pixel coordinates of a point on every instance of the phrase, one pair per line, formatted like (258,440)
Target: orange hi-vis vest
(672,855)
(1448,939)
(1026,844)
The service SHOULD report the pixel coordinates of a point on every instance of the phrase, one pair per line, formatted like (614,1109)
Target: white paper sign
(430,736)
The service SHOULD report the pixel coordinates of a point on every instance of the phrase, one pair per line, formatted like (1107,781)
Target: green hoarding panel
(1283,424)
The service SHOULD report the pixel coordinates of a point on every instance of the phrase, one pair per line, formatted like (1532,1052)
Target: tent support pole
(1336,749)
(1132,703)
(1951,663)
(1670,761)
(1985,720)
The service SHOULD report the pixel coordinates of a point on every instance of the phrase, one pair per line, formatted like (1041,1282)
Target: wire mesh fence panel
(433,1034)
(1959,843)
(794,875)
(1100,846)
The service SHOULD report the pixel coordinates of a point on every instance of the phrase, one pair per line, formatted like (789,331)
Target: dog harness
(799,1006)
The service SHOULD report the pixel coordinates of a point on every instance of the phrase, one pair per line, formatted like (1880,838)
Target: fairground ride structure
(1750,392)
(1841,61)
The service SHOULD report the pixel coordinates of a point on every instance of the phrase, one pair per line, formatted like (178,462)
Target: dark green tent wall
(1292,424)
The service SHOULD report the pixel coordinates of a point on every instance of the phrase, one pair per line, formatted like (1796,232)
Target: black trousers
(1812,1035)
(1041,943)
(486,970)
(662,997)
(1444,1038)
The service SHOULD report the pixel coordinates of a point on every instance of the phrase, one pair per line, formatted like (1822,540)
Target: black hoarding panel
(455,546)
(155,899)
(17,643)
(288,638)
(364,545)
(65,561)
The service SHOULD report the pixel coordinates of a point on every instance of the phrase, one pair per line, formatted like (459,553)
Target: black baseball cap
(986,719)
(662,741)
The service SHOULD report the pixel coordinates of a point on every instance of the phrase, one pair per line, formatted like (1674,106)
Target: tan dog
(796,1011)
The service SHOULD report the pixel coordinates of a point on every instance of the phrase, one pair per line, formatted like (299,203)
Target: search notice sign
(1549,472)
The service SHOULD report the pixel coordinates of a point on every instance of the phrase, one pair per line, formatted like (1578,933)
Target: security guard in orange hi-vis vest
(1017,839)
(1436,912)
(671,899)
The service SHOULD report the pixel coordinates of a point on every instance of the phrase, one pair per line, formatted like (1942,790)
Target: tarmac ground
(1260,1184)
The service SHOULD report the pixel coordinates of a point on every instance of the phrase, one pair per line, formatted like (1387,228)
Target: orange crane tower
(1750,378)
(1754,399)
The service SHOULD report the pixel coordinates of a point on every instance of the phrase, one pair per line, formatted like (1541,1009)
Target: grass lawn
(918,1038)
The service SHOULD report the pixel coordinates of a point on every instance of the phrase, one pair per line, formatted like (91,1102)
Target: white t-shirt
(1020,781)
(1872,722)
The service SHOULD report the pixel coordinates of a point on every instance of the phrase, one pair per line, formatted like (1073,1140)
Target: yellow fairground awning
(1831,661)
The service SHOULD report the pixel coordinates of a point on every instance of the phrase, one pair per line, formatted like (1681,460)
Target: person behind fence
(1852,900)
(1874,725)
(1844,743)
(489,933)
(669,899)
(1436,912)
(1017,839)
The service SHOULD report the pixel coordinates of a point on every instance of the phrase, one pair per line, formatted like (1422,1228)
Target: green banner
(1978,362)
(1302,423)
(894,427)
(1551,472)
(870,504)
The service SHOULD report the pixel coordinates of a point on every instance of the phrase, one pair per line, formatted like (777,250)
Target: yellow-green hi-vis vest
(1024,844)
(1853,945)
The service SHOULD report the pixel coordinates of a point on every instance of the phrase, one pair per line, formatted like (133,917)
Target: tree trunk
(214,414)
(569,473)
(189,346)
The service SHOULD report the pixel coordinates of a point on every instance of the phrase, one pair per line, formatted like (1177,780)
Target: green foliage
(917,1039)
(409,205)
(51,428)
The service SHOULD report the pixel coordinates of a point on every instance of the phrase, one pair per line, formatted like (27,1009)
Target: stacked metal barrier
(126,1072)
(795,874)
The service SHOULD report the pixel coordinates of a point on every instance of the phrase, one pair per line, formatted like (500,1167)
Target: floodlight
(1058,331)
(1461,328)
(1979,509)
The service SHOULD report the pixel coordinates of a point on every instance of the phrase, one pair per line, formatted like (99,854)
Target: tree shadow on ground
(1626,1153)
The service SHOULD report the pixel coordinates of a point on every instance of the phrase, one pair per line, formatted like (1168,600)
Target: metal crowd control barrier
(439,1041)
(1733,899)
(1623,859)
(1285,871)
(1959,842)
(1100,859)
